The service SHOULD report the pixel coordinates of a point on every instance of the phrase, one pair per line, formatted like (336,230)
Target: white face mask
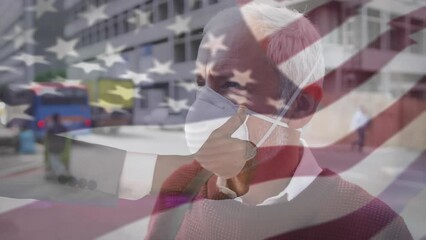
(211,110)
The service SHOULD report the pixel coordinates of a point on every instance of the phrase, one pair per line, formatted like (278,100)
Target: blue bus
(42,101)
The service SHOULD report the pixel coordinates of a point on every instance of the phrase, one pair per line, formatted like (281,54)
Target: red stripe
(375,58)
(44,220)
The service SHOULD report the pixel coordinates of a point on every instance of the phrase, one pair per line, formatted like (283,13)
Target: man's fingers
(251,150)
(230,126)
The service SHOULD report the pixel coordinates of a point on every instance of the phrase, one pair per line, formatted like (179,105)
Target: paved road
(396,175)
(11,162)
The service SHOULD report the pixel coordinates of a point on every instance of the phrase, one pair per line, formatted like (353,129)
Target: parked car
(9,138)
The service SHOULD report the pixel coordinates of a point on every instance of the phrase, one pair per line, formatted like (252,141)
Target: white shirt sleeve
(137,175)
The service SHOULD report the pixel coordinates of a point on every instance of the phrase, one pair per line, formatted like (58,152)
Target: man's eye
(231,84)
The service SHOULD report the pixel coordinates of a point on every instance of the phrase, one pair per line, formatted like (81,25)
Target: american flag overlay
(212,119)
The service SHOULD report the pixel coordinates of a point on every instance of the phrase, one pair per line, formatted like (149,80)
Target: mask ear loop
(284,111)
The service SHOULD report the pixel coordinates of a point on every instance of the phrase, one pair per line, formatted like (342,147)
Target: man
(230,191)
(360,125)
(277,190)
(55,147)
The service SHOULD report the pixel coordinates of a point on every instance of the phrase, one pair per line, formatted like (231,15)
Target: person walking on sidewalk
(360,123)
(55,147)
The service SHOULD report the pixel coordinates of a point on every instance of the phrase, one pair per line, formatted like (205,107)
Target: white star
(71,83)
(276,103)
(94,15)
(88,67)
(18,112)
(43,6)
(64,80)
(8,69)
(188,86)
(107,106)
(110,57)
(126,93)
(162,68)
(215,44)
(32,85)
(26,37)
(30,59)
(48,90)
(176,105)
(180,26)
(137,78)
(16,31)
(141,19)
(64,48)
(110,49)
(243,78)
(110,60)
(201,69)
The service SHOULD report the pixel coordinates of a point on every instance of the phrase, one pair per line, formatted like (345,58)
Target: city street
(73,212)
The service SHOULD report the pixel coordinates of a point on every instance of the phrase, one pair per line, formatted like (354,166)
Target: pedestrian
(55,147)
(360,123)
(26,140)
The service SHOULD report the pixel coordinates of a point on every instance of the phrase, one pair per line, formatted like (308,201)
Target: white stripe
(9,204)
(134,230)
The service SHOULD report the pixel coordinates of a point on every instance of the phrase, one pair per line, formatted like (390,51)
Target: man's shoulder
(348,193)
(369,211)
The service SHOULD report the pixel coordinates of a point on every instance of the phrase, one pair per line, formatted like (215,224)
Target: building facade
(14,20)
(27,29)
(141,45)
(146,39)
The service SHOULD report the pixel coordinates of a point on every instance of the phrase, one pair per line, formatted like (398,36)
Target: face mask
(211,110)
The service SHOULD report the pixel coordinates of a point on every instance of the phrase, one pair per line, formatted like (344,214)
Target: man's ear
(305,106)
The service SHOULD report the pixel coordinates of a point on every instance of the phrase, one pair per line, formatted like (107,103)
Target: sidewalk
(15,163)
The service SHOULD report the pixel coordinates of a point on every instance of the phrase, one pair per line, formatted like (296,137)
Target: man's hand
(223,155)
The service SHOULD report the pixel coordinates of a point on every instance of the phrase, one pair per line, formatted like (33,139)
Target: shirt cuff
(137,175)
(223,188)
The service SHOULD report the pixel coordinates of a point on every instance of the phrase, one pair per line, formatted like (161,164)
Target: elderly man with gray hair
(253,176)
(249,174)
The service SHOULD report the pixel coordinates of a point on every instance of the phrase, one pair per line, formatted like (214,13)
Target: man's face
(243,74)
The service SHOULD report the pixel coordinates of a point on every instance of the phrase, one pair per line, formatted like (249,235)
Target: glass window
(373,27)
(418,37)
(127,54)
(130,15)
(373,31)
(110,28)
(124,18)
(373,13)
(396,38)
(180,52)
(163,11)
(195,45)
(197,4)
(147,7)
(196,36)
(353,31)
(213,1)
(116,26)
(68,96)
(146,50)
(94,35)
(179,7)
(102,31)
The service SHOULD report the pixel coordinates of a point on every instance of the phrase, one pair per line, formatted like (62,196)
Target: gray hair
(284,30)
